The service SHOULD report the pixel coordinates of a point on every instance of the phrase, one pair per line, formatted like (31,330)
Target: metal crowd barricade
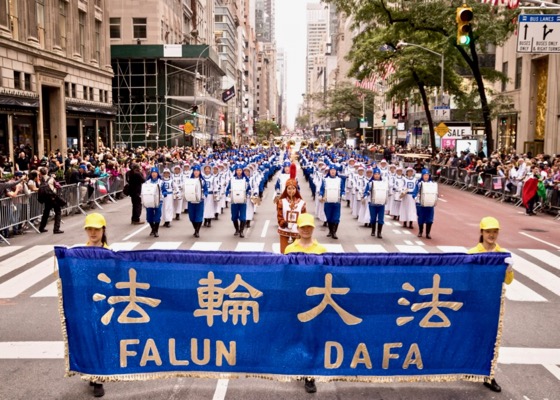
(8,217)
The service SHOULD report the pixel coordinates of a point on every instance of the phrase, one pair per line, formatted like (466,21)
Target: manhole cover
(534,230)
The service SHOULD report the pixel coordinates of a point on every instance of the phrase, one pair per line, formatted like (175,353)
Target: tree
(302,121)
(265,128)
(343,102)
(432,24)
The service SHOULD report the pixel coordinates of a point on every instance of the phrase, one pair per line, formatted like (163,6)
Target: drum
(332,190)
(429,194)
(151,195)
(379,192)
(217,197)
(359,195)
(177,194)
(193,190)
(238,191)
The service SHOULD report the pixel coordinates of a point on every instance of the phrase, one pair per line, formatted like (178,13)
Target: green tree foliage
(266,128)
(343,102)
(302,121)
(432,25)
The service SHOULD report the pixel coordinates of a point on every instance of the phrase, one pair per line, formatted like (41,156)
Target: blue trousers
(425,214)
(377,214)
(239,212)
(196,211)
(153,215)
(332,212)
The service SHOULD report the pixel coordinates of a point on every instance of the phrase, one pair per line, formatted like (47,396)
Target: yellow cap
(95,220)
(306,220)
(489,223)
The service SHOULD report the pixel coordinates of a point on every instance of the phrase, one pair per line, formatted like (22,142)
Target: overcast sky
(291,35)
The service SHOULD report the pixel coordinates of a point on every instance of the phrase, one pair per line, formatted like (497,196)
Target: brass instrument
(329,144)
(316,144)
(304,145)
(265,144)
(277,143)
(292,142)
(253,145)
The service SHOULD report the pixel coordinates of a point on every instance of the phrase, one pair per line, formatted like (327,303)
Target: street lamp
(404,44)
(198,76)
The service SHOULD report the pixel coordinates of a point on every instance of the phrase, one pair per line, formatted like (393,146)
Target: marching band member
(167,206)
(223,178)
(320,174)
(364,215)
(289,207)
(217,190)
(383,167)
(408,205)
(209,200)
(153,212)
(240,190)
(425,214)
(178,187)
(186,175)
(332,190)
(376,211)
(359,187)
(349,171)
(390,180)
(196,206)
(397,187)
(281,181)
(253,193)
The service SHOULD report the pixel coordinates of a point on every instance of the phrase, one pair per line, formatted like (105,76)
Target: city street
(32,351)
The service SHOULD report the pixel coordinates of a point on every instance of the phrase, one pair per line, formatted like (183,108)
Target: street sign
(188,127)
(538,34)
(364,124)
(442,113)
(442,129)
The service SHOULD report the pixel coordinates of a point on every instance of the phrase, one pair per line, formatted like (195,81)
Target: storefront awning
(19,101)
(91,109)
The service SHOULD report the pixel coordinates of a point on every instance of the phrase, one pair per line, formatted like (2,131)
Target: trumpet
(304,145)
(265,144)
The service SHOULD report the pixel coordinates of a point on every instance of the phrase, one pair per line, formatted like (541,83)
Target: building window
(139,28)
(74,91)
(85,93)
(67,89)
(98,41)
(41,20)
(106,96)
(5,13)
(219,18)
(62,23)
(17,80)
(91,94)
(27,81)
(82,33)
(518,70)
(115,28)
(505,72)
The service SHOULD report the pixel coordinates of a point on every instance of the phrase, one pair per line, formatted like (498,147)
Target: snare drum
(151,195)
(238,191)
(429,194)
(193,190)
(177,194)
(379,192)
(332,190)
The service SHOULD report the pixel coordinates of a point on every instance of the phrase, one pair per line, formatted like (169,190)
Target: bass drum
(379,192)
(332,190)
(151,195)
(429,194)
(193,190)
(238,191)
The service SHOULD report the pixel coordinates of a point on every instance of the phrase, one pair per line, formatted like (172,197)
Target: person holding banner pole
(306,244)
(95,227)
(489,231)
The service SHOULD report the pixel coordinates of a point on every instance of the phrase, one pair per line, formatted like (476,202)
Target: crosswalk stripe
(165,245)
(21,259)
(420,243)
(333,248)
(250,246)
(452,249)
(529,356)
(407,232)
(120,246)
(206,246)
(276,248)
(537,274)
(553,369)
(397,232)
(410,249)
(26,279)
(31,350)
(4,251)
(48,291)
(545,256)
(370,248)
(409,242)
(517,291)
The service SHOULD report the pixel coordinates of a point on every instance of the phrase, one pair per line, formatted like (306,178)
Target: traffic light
(384,118)
(362,119)
(194,110)
(464,17)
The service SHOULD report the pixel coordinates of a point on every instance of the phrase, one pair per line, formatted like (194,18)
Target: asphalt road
(32,367)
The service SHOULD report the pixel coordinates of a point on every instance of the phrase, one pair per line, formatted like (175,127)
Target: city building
(55,80)
(265,24)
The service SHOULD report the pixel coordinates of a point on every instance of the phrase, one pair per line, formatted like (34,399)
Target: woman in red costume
(289,207)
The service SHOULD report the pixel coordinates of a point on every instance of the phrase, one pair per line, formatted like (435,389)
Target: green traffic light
(464,40)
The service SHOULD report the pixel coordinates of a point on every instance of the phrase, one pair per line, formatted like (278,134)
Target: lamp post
(404,44)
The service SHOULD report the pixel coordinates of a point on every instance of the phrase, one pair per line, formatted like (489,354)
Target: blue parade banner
(139,315)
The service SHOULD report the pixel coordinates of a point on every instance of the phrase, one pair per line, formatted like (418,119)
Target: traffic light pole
(364,114)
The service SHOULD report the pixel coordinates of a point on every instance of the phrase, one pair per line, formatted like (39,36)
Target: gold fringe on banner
(63,327)
(499,334)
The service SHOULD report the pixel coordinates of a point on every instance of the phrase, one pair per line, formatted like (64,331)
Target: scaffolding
(154,95)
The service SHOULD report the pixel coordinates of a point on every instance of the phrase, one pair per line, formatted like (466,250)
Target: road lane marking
(206,246)
(517,291)
(410,249)
(452,249)
(370,248)
(407,232)
(136,232)
(553,369)
(409,242)
(124,246)
(265,228)
(529,356)
(4,251)
(165,245)
(48,291)
(221,389)
(31,350)
(537,274)
(26,279)
(250,246)
(333,248)
(545,256)
(440,199)
(540,240)
(396,232)
(276,248)
(15,262)
(420,243)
